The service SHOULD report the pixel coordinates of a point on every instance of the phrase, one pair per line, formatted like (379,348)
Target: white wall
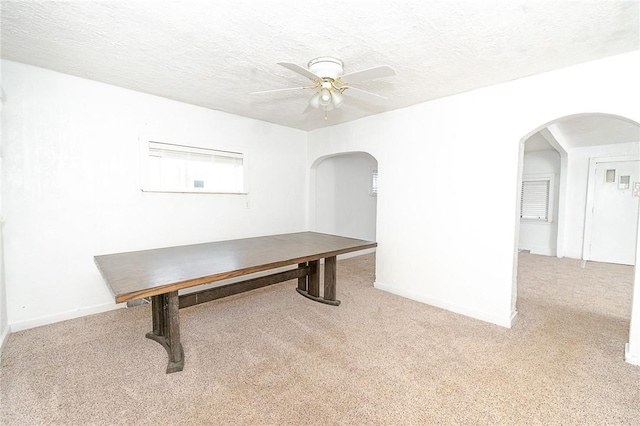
(632,349)
(344,205)
(4,322)
(71,186)
(578,175)
(541,237)
(439,159)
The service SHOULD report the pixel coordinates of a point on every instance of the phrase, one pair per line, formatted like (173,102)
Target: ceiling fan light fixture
(325,97)
(315,100)
(337,99)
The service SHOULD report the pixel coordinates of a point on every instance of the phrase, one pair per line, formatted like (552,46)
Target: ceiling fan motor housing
(326,67)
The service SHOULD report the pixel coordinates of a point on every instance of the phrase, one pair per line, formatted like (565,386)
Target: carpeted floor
(273,357)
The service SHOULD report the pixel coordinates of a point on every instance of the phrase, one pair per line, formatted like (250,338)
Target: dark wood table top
(138,274)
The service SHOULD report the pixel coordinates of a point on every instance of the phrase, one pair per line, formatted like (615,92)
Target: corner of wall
(5,330)
(4,338)
(504,321)
(629,357)
(64,316)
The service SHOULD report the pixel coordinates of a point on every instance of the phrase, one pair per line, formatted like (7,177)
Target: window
(536,198)
(180,168)
(374,182)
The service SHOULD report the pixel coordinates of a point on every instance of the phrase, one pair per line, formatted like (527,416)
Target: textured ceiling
(596,129)
(584,130)
(215,53)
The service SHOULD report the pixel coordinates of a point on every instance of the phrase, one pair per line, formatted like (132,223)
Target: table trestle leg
(166,328)
(302,281)
(309,286)
(314,279)
(330,278)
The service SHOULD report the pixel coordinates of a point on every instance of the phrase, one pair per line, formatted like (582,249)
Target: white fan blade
(302,71)
(364,95)
(368,74)
(277,90)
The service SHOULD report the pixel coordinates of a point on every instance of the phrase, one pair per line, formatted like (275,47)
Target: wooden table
(160,273)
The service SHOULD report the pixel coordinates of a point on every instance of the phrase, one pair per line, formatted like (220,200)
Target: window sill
(536,222)
(186,191)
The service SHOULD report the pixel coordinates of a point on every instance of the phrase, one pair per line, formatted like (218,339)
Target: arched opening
(344,195)
(592,162)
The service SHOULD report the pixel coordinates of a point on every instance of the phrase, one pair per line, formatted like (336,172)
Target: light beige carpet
(273,357)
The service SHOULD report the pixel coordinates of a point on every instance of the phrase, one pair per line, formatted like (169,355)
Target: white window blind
(534,199)
(374,182)
(182,168)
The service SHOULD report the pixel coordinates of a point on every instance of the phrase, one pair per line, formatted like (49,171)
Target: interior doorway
(612,210)
(585,141)
(346,195)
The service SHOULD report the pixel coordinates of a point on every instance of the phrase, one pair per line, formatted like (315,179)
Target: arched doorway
(582,142)
(345,196)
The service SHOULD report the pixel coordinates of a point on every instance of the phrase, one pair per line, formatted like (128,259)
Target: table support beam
(227,290)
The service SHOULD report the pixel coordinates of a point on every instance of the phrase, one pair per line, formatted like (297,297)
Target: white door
(615,212)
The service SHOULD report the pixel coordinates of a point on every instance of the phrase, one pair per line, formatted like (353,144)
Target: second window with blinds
(536,198)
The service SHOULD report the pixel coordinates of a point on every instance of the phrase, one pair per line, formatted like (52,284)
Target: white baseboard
(544,251)
(356,253)
(4,337)
(630,358)
(482,316)
(63,316)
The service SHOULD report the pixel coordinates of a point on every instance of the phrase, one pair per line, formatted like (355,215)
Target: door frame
(591,188)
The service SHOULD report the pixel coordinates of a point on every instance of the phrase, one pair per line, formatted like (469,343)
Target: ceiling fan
(329,82)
